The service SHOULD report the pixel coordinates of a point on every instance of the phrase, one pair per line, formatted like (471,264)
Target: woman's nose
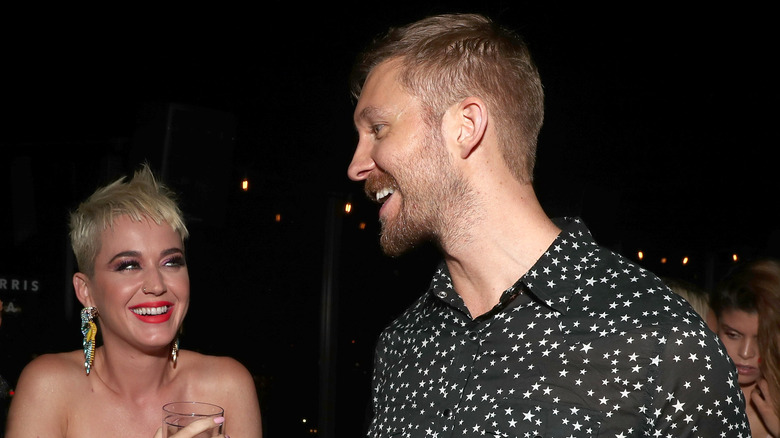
(747,349)
(154,284)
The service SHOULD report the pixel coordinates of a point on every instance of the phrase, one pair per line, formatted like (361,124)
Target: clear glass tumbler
(178,415)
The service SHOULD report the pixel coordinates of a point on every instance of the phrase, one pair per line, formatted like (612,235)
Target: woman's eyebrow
(125,254)
(173,250)
(166,252)
(728,327)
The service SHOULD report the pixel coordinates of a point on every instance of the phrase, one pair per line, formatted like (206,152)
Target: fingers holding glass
(192,420)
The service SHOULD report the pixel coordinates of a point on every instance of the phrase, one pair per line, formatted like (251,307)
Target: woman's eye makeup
(123,265)
(176,261)
(126,262)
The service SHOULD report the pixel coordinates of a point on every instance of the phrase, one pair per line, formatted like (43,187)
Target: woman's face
(141,285)
(738,330)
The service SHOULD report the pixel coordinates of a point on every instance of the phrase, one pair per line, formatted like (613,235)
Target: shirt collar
(571,253)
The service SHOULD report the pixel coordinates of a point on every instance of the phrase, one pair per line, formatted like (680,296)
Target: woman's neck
(134,375)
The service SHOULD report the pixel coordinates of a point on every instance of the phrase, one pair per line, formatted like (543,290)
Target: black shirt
(585,344)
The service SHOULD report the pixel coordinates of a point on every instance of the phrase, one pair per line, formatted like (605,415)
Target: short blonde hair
(142,197)
(446,58)
(698,298)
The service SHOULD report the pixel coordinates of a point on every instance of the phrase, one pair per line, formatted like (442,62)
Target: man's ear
(466,125)
(82,286)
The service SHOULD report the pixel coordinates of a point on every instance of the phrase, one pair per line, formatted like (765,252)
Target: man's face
(404,163)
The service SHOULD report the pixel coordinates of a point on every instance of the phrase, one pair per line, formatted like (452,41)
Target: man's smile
(383,194)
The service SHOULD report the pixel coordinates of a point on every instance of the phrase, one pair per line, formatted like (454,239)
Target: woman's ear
(466,124)
(82,287)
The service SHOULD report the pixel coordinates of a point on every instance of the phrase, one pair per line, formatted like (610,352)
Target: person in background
(746,303)
(529,327)
(697,297)
(768,273)
(133,281)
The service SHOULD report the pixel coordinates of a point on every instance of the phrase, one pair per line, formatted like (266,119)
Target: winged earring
(89,331)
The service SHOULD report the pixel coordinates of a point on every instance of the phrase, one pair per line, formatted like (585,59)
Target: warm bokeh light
(685,260)
(734,257)
(245,184)
(640,255)
(278,217)
(348,207)
(663,260)
(362,226)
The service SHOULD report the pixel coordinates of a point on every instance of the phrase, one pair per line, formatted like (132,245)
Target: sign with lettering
(12,284)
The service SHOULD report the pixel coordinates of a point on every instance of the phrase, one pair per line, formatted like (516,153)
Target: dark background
(657,133)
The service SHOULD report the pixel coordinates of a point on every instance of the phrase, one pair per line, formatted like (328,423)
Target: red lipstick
(153,312)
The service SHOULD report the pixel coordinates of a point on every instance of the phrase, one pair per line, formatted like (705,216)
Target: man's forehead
(381,93)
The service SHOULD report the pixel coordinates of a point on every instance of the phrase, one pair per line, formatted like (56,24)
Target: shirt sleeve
(695,392)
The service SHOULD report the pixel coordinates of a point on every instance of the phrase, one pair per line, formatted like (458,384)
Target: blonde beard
(436,207)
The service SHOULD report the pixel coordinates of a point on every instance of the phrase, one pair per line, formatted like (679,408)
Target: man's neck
(498,249)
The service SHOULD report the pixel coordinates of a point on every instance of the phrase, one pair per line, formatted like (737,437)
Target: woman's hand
(194,428)
(762,398)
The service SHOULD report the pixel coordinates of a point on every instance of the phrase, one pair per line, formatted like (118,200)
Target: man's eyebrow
(368,113)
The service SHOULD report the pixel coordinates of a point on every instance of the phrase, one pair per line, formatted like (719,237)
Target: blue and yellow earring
(89,331)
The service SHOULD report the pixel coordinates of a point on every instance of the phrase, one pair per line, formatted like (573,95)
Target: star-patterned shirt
(585,344)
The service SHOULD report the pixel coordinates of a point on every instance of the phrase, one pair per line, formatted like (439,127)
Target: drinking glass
(177,415)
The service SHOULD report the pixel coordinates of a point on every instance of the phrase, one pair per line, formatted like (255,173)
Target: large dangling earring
(89,331)
(175,351)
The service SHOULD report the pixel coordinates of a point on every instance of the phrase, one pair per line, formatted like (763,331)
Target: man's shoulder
(614,277)
(616,289)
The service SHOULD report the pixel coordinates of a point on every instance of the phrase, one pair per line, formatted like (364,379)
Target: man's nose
(362,164)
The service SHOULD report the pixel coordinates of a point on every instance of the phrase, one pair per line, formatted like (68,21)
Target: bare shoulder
(208,363)
(57,370)
(223,371)
(47,384)
(227,382)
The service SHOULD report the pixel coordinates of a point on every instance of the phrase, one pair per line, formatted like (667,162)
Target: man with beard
(528,328)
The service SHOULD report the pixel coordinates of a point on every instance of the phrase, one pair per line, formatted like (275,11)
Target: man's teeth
(150,310)
(384,193)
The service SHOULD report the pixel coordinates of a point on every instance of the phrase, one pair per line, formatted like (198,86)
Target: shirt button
(473,336)
(446,412)
(441,294)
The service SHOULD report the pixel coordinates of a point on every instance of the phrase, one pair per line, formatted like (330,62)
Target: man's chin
(391,246)
(395,244)
(393,252)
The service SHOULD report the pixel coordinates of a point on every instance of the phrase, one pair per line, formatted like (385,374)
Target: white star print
(557,361)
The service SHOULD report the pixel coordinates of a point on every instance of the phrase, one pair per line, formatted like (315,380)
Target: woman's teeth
(150,310)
